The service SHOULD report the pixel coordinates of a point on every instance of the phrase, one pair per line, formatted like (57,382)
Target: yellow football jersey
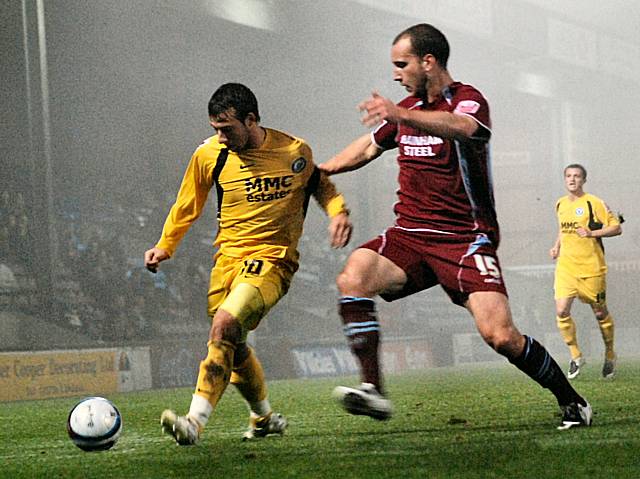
(263,194)
(582,257)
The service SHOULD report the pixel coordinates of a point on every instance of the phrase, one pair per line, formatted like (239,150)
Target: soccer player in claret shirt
(581,270)
(446,231)
(263,179)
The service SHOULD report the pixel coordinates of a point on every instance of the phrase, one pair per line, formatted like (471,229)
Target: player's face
(408,68)
(232,133)
(573,180)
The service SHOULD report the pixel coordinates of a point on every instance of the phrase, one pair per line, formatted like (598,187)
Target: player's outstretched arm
(356,155)
(441,123)
(332,202)
(153,257)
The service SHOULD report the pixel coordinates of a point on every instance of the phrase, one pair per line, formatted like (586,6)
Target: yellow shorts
(269,278)
(591,290)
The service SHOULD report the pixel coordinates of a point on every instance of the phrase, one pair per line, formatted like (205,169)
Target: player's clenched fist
(153,257)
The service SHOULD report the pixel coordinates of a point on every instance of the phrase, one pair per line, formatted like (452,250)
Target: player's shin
(536,362)
(606,329)
(362,329)
(567,328)
(213,378)
(248,377)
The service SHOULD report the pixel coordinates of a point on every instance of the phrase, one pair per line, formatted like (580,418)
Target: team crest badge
(468,107)
(579,211)
(298,165)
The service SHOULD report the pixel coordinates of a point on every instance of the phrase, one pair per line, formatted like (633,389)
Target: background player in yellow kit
(264,179)
(584,219)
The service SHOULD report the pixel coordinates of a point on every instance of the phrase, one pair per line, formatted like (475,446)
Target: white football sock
(200,409)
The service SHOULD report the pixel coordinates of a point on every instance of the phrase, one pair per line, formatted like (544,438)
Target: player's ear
(250,119)
(427,61)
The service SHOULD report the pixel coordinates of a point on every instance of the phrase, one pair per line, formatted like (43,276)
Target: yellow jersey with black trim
(582,257)
(263,194)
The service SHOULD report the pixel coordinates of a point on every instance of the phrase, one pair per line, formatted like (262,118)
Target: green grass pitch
(480,422)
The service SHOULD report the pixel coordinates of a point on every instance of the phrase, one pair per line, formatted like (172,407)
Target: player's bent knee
(361,275)
(348,283)
(354,282)
(245,304)
(225,328)
(504,343)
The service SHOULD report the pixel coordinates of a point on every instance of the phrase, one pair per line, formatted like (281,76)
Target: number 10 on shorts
(252,266)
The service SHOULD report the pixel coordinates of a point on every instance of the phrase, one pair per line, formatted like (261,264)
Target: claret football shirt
(445,184)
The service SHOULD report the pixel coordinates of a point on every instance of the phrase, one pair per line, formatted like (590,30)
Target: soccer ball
(94,424)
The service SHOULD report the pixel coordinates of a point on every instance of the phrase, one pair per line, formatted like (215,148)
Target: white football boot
(574,367)
(575,415)
(365,400)
(183,429)
(609,368)
(261,426)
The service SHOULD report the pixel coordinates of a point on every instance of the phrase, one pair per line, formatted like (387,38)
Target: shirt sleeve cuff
(336,206)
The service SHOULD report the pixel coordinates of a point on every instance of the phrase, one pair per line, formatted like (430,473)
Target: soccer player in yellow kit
(263,179)
(584,219)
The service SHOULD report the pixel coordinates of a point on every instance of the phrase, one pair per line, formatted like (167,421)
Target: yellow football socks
(215,371)
(568,331)
(606,328)
(248,377)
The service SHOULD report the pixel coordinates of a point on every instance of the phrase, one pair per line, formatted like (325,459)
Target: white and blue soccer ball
(94,424)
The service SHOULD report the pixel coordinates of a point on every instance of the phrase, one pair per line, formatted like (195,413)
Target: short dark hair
(236,96)
(577,166)
(426,38)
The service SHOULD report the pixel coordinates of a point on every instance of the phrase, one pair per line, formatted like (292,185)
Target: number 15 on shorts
(487,265)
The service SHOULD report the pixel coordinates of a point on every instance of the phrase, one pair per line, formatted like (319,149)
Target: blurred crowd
(100,287)
(102,291)
(15,239)
(16,266)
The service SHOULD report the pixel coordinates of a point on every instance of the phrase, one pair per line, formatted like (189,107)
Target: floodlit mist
(103,104)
